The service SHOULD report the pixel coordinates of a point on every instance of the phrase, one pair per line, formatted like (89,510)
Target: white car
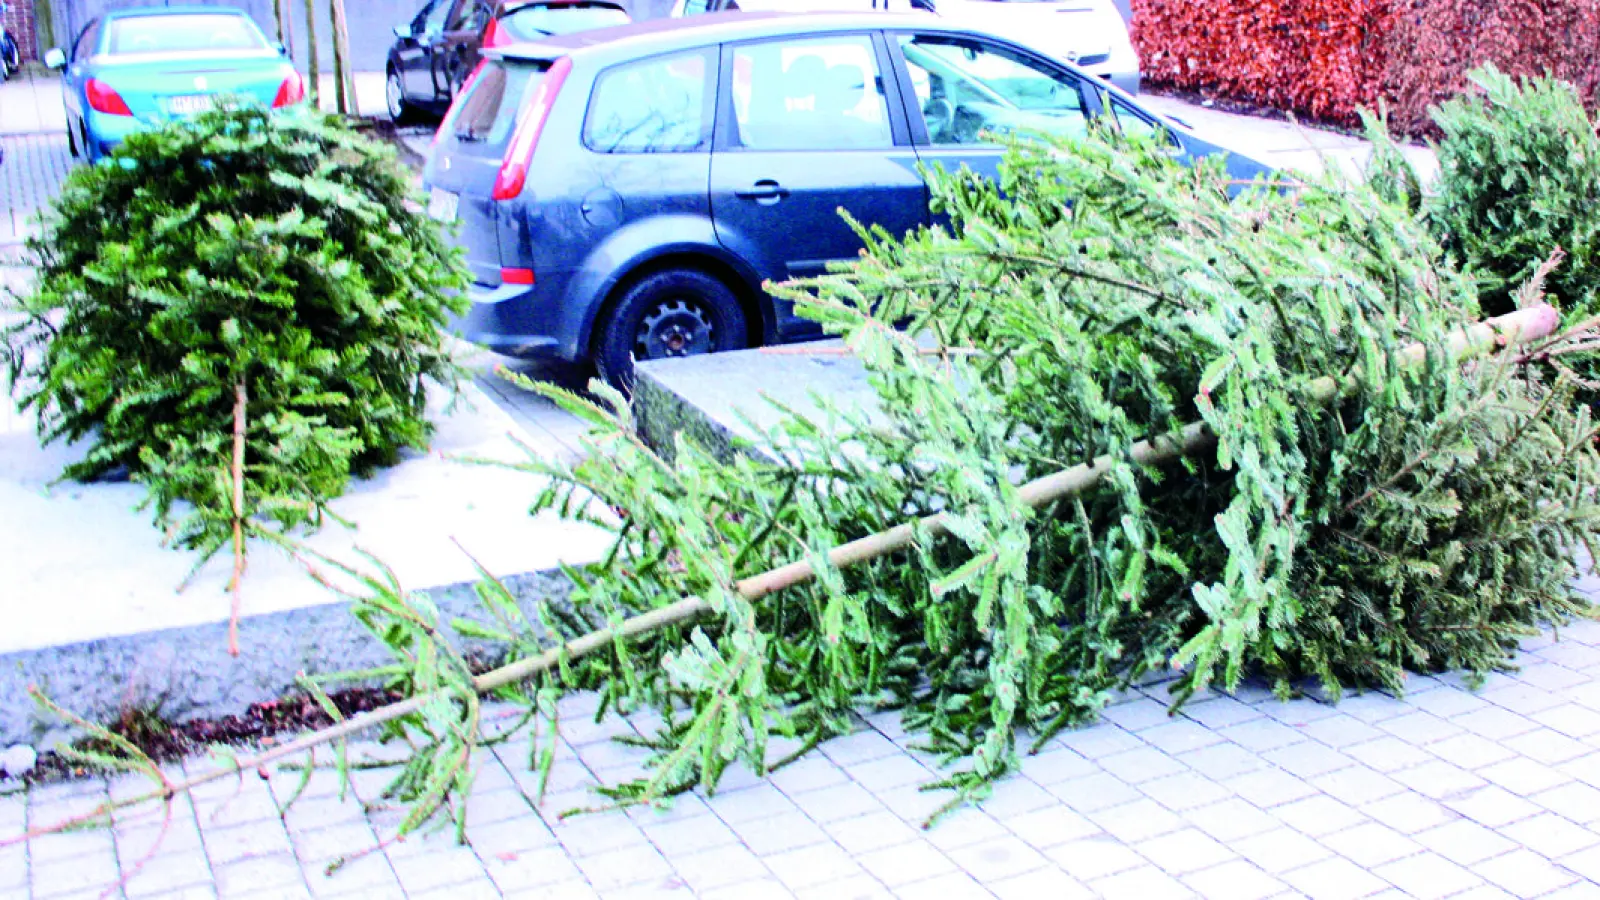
(1090,33)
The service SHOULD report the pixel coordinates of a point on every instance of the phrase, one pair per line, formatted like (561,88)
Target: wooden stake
(343,79)
(1520,327)
(240,400)
(314,81)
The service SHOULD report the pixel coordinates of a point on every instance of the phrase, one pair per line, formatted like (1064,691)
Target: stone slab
(727,399)
(90,601)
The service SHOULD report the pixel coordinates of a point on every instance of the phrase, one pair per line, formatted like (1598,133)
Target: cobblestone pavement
(1445,793)
(30,176)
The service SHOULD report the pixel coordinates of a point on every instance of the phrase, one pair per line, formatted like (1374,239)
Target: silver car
(1091,33)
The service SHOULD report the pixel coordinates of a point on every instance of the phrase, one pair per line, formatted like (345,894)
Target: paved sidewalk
(1446,793)
(30,103)
(30,177)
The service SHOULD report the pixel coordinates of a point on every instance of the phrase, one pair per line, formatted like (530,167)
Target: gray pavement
(1443,793)
(35,165)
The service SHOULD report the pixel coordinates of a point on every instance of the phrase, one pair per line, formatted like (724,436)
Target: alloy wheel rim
(674,328)
(392,93)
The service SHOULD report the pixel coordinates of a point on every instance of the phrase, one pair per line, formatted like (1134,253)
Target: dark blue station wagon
(624,193)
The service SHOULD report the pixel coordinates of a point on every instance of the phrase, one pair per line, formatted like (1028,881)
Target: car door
(806,127)
(965,93)
(416,55)
(456,50)
(73,79)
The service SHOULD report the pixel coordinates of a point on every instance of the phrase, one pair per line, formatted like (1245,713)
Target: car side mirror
(55,58)
(402,31)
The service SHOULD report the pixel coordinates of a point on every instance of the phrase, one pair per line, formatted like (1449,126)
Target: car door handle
(764,191)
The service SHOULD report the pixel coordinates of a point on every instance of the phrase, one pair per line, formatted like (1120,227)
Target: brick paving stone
(971,825)
(1180,736)
(1185,851)
(1279,851)
(808,774)
(1185,790)
(905,863)
(1315,816)
(1577,802)
(1524,873)
(1148,883)
(1091,793)
(717,868)
(1341,731)
(873,831)
(280,872)
(84,872)
(1046,827)
(1421,728)
(1471,751)
(1104,740)
(1219,712)
(1357,785)
(1270,787)
(1551,835)
(1308,760)
(1136,821)
(1438,779)
(1548,746)
(1237,880)
(1336,878)
(530,869)
(369,875)
(856,887)
(841,801)
(815,865)
(1232,819)
(1222,761)
(627,866)
(437,867)
(998,858)
(1057,765)
(1409,813)
(1427,875)
(1042,883)
(1493,806)
(1371,845)
(1093,858)
(1261,735)
(1465,842)
(1140,765)
(775,834)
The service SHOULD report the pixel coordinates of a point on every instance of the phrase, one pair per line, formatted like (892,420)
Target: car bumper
(511,320)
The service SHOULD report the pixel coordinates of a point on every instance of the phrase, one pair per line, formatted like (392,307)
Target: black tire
(675,312)
(72,141)
(394,96)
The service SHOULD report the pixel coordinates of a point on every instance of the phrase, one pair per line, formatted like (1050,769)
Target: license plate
(442,205)
(190,104)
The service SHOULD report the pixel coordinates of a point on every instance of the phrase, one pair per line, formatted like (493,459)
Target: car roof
(652,35)
(130,12)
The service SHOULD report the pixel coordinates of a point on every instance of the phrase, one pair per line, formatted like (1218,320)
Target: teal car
(139,68)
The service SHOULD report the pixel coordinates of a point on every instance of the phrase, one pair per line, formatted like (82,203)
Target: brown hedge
(1325,59)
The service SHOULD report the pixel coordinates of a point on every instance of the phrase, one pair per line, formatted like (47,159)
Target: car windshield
(183,33)
(539,20)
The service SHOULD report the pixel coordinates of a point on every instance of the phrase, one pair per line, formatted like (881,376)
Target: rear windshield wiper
(469,136)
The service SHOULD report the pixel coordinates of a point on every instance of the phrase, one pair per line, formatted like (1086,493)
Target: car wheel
(394,93)
(677,312)
(72,140)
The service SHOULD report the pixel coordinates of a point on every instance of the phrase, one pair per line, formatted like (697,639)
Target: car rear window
(656,105)
(529,23)
(182,33)
(488,112)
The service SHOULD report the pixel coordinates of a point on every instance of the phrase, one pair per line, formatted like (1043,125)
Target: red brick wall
(19,24)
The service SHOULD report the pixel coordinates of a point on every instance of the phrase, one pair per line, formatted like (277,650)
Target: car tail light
(519,155)
(516,276)
(491,34)
(292,91)
(102,98)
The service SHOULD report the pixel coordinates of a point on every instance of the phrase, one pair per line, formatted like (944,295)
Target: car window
(488,112)
(84,48)
(813,94)
(1135,124)
(178,33)
(433,16)
(542,20)
(966,89)
(470,15)
(695,7)
(653,106)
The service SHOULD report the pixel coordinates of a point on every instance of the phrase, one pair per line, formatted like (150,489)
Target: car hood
(1071,29)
